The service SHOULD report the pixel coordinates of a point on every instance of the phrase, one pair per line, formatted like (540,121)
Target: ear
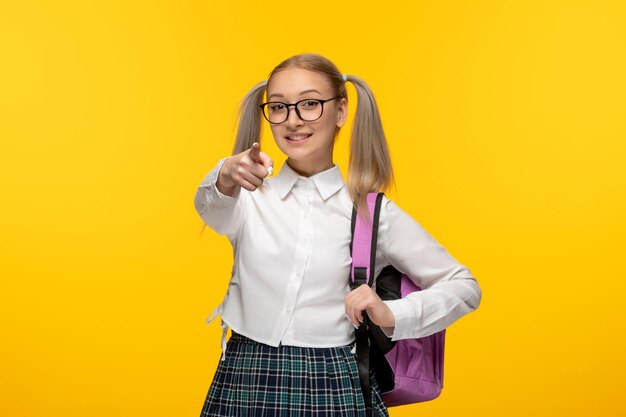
(342,112)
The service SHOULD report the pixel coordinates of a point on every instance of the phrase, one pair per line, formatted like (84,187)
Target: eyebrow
(312,90)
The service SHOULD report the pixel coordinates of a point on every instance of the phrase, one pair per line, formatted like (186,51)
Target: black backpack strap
(361,334)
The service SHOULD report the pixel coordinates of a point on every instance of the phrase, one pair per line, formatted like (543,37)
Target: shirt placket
(303,192)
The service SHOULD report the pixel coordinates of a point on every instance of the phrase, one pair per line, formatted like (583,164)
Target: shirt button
(288,309)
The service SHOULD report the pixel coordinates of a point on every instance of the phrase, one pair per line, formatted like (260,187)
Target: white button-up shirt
(291,243)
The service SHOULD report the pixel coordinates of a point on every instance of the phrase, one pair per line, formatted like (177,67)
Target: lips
(298,136)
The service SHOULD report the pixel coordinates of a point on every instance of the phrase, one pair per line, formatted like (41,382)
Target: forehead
(291,82)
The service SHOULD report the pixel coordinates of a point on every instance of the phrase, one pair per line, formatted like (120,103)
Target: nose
(293,120)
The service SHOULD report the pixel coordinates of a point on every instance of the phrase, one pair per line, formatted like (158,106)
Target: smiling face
(308,145)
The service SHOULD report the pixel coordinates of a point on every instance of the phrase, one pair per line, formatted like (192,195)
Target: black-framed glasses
(309,109)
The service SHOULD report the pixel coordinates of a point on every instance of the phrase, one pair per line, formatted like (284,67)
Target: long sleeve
(449,290)
(222,213)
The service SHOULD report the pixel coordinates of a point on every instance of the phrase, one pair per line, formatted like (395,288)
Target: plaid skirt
(258,380)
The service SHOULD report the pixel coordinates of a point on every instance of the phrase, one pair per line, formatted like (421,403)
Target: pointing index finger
(255,152)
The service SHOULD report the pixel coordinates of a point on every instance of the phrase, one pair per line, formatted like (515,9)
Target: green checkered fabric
(258,380)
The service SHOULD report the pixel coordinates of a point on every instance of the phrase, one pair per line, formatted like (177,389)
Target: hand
(246,169)
(365,298)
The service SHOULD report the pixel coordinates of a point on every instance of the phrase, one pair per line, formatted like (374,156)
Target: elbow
(199,201)
(218,215)
(476,295)
(204,209)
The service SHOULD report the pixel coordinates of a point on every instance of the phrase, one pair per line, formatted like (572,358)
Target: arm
(222,212)
(219,200)
(449,290)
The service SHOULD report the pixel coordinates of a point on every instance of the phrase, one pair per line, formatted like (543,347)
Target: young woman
(288,303)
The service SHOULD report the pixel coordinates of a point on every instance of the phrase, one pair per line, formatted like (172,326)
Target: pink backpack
(408,370)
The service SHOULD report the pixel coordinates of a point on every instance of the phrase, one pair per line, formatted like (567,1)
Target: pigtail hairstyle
(249,115)
(370,167)
(249,130)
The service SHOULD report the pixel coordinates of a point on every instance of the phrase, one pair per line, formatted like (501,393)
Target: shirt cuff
(405,317)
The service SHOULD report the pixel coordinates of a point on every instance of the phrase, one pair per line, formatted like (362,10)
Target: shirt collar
(328,182)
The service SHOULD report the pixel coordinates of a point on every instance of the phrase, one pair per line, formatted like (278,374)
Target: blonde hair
(369,168)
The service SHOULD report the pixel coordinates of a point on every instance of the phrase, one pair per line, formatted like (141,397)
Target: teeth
(299,137)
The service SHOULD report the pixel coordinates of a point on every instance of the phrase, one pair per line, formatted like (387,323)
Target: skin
(247,169)
(315,154)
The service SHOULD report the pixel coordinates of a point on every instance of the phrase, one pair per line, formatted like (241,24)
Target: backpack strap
(363,251)
(363,244)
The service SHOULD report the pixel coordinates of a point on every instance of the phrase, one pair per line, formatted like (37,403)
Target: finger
(261,158)
(355,322)
(246,179)
(359,316)
(253,177)
(350,302)
(257,170)
(354,313)
(255,150)
(242,169)
(350,315)
(352,322)
(267,162)
(361,306)
(246,184)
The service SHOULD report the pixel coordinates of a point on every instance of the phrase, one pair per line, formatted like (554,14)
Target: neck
(308,170)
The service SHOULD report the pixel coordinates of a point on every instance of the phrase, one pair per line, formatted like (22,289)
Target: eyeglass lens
(309,110)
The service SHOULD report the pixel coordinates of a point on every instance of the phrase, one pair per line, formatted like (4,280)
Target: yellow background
(506,122)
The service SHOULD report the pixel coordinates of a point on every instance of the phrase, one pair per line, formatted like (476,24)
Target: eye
(274,107)
(310,104)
